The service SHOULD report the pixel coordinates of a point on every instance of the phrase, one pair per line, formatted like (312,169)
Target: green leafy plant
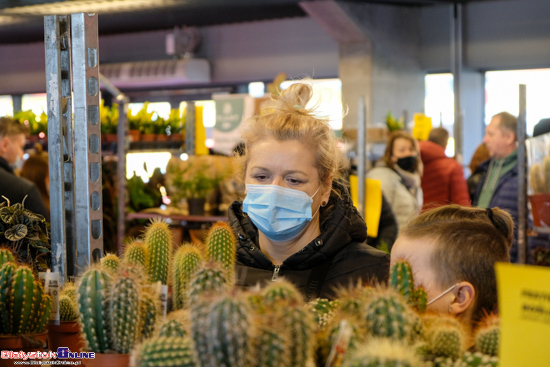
(143,121)
(192,179)
(109,118)
(26,233)
(393,123)
(175,123)
(36,124)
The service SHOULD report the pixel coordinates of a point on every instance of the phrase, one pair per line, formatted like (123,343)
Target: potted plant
(26,234)
(144,120)
(162,128)
(176,124)
(193,180)
(67,333)
(109,122)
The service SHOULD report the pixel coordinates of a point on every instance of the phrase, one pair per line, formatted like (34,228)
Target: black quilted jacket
(339,256)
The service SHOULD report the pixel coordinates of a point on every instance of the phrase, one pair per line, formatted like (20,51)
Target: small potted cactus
(67,332)
(24,309)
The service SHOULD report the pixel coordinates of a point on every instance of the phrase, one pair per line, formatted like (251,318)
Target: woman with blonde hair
(399,172)
(297,219)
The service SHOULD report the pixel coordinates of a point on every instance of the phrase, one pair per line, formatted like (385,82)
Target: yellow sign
(524,309)
(200,132)
(422,126)
(373,202)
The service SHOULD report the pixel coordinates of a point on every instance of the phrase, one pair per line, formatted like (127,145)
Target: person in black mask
(399,171)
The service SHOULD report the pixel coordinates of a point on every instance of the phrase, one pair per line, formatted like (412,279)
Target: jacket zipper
(275,273)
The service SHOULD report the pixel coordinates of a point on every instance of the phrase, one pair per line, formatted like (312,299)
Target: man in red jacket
(443,180)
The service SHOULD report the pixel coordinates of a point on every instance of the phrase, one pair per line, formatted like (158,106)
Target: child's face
(418,252)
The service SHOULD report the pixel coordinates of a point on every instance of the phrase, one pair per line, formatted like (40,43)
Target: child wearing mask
(399,172)
(297,219)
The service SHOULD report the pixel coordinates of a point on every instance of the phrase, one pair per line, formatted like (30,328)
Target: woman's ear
(464,300)
(326,190)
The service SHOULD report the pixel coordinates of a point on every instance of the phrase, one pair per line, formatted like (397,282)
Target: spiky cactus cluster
(187,261)
(67,308)
(386,315)
(24,308)
(165,352)
(445,335)
(208,280)
(135,254)
(401,279)
(221,247)
(113,311)
(158,240)
(487,335)
(110,263)
(384,352)
(6,256)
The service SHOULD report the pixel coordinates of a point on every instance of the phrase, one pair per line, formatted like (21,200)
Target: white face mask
(441,295)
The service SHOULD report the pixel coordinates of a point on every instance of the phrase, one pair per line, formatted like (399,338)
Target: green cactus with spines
(124,313)
(208,280)
(387,316)
(172,328)
(272,346)
(283,291)
(67,309)
(135,254)
(46,307)
(328,337)
(351,300)
(229,330)
(6,274)
(165,352)
(187,261)
(158,240)
(6,256)
(299,324)
(37,306)
(21,293)
(322,310)
(445,335)
(383,352)
(478,359)
(69,289)
(92,299)
(419,299)
(221,246)
(148,313)
(487,335)
(199,319)
(401,278)
(110,263)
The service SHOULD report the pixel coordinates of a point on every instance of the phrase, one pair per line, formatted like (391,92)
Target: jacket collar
(5,165)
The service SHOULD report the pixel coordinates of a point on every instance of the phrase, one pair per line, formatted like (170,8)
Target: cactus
(135,254)
(322,310)
(272,346)
(6,256)
(401,278)
(387,316)
(124,314)
(67,309)
(478,360)
(92,292)
(445,335)
(69,290)
(228,330)
(46,307)
(221,246)
(23,289)
(172,328)
(331,336)
(419,299)
(210,279)
(487,335)
(281,291)
(383,352)
(147,316)
(6,274)
(299,324)
(351,300)
(158,240)
(165,352)
(187,261)
(110,263)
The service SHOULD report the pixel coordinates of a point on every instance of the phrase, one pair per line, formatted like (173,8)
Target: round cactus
(187,261)
(387,316)
(158,239)
(272,347)
(384,352)
(322,310)
(281,290)
(165,352)
(478,360)
(487,335)
(67,309)
(69,289)
(92,293)
(135,254)
(221,247)
(172,328)
(110,263)
(208,280)
(124,314)
(445,335)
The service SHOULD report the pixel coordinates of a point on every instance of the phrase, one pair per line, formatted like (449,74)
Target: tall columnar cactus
(135,254)
(6,256)
(124,314)
(46,307)
(208,280)
(229,329)
(92,298)
(22,291)
(387,316)
(401,278)
(147,315)
(6,273)
(165,352)
(272,346)
(383,352)
(444,335)
(299,324)
(187,261)
(487,335)
(419,299)
(221,246)
(110,263)
(158,240)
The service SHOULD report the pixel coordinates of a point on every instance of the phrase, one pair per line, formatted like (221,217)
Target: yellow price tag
(373,202)
(422,126)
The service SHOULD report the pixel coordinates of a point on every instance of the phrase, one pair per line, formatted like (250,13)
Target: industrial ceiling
(22,21)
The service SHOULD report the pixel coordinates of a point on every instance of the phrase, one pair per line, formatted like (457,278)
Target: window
(439,105)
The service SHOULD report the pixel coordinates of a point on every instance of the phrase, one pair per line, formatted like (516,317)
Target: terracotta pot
(148,137)
(162,137)
(16,344)
(135,134)
(108,359)
(66,334)
(176,137)
(540,207)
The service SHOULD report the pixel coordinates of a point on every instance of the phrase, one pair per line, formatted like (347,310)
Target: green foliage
(194,178)
(393,124)
(109,118)
(36,124)
(141,195)
(25,233)
(142,120)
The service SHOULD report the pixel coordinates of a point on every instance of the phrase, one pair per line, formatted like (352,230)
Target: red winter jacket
(443,179)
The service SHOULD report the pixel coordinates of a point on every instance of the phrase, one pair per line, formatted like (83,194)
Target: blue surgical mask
(281,214)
